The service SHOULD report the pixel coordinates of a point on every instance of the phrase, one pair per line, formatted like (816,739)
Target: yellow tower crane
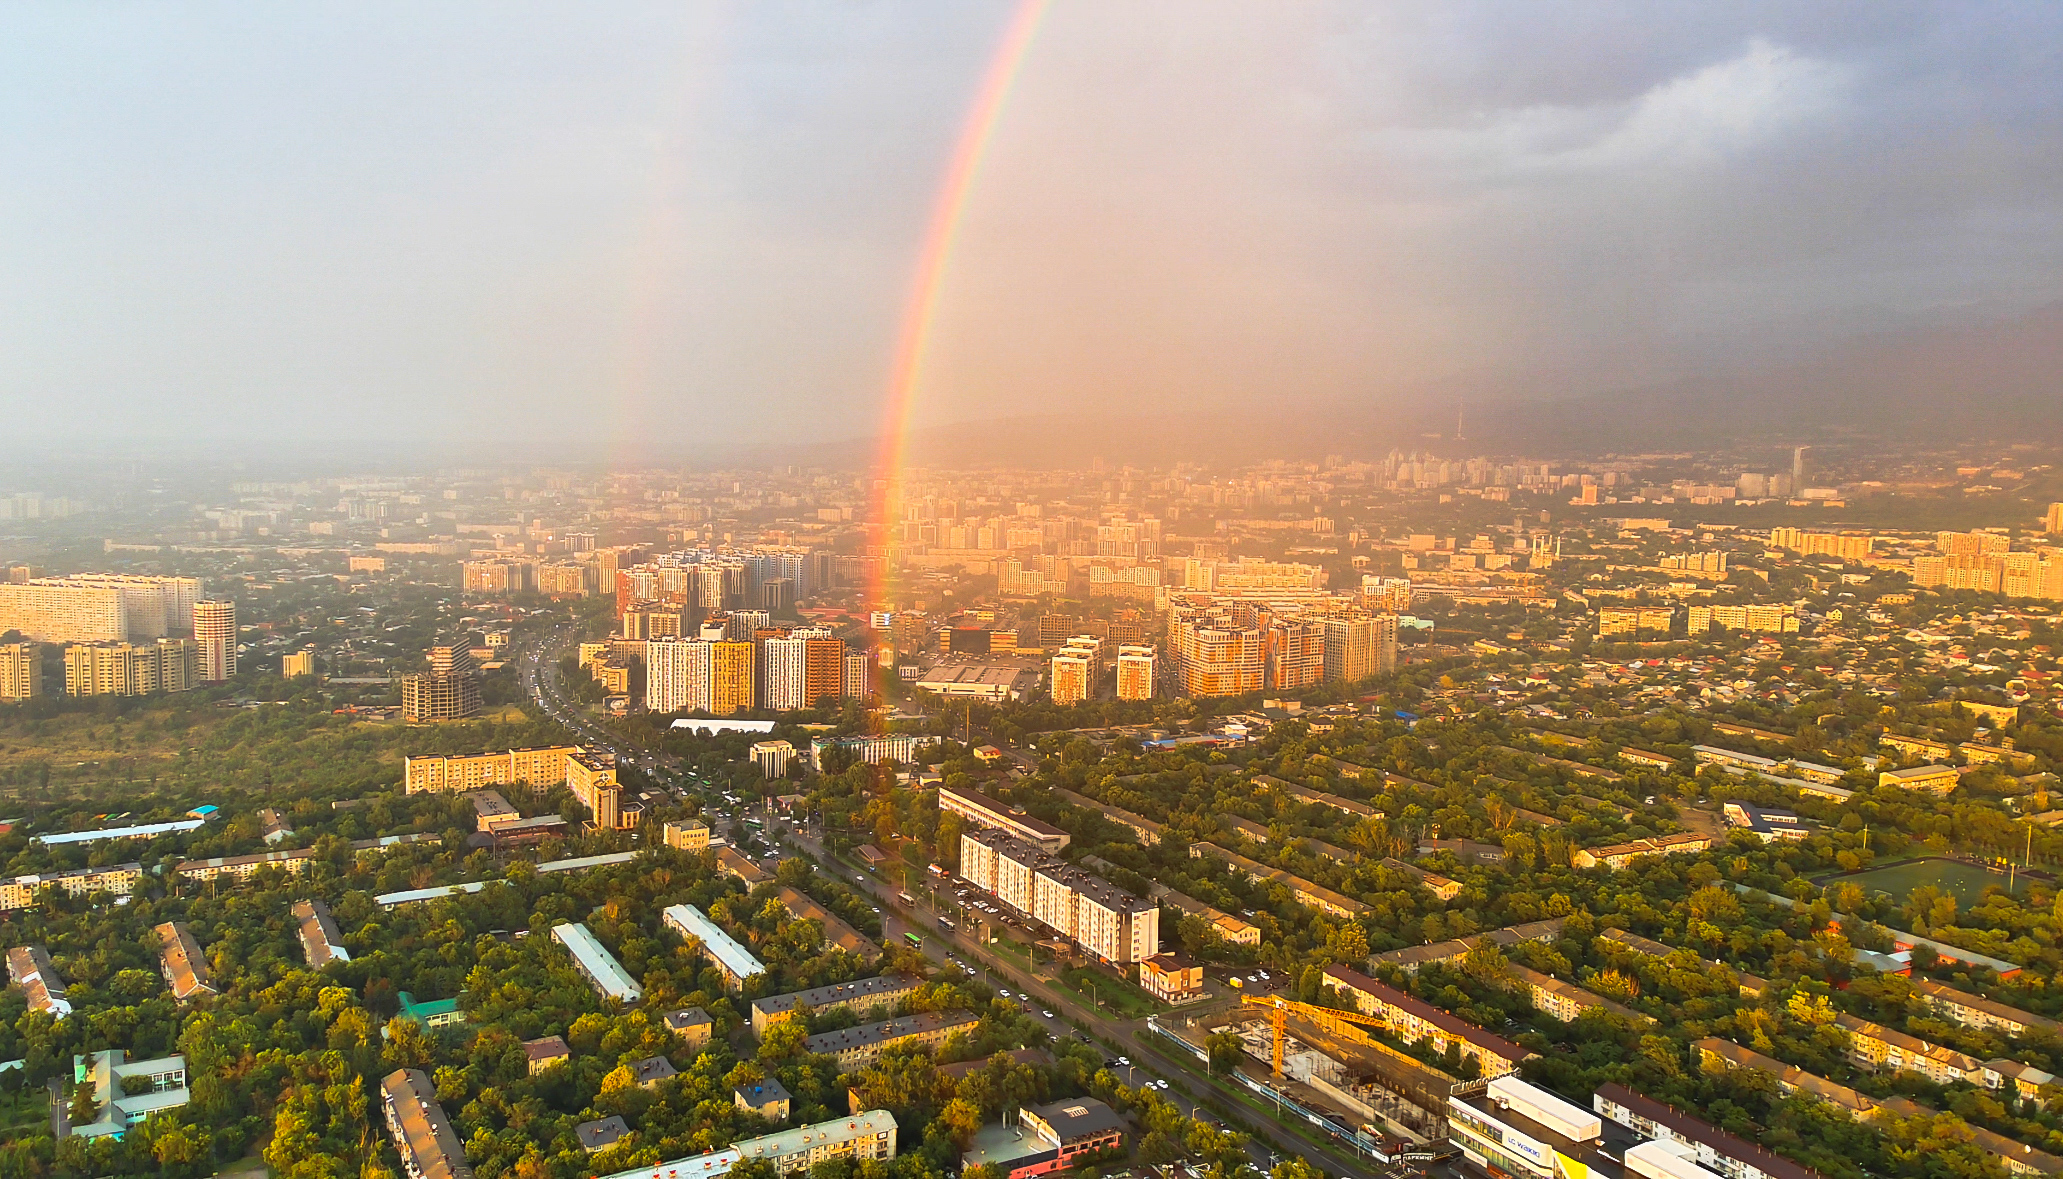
(1346,1025)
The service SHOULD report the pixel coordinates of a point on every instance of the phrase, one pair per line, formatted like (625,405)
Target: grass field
(1965,882)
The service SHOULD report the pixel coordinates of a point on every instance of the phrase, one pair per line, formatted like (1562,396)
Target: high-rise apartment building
(99,607)
(296,665)
(733,682)
(1073,676)
(1135,672)
(859,676)
(214,631)
(2052,523)
(785,672)
(21,671)
(130,669)
(1359,646)
(1295,653)
(1970,544)
(1217,650)
(823,670)
(450,690)
(677,674)
(1812,544)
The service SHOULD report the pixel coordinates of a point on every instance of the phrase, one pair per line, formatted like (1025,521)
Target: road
(537,669)
(1143,1047)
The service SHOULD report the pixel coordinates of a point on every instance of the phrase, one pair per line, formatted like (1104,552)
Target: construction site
(1329,1067)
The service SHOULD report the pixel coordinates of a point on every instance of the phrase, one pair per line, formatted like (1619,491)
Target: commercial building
(1412,1019)
(592,779)
(983,811)
(104,834)
(1763,823)
(733,961)
(991,680)
(21,671)
(857,1047)
(860,997)
(772,757)
(1517,1129)
(160,1085)
(687,834)
(1710,1147)
(214,633)
(450,690)
(1046,1139)
(537,767)
(29,968)
(114,879)
(321,942)
(180,958)
(131,669)
(1137,668)
(902,748)
(595,961)
(863,1137)
(423,1136)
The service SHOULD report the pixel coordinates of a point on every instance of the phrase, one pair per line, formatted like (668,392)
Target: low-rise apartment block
(860,1046)
(115,880)
(180,957)
(600,967)
(1710,1147)
(860,997)
(29,968)
(1618,855)
(1307,892)
(1976,1011)
(983,811)
(1147,831)
(733,961)
(321,942)
(1933,779)
(863,1137)
(1440,886)
(1565,1001)
(838,935)
(240,868)
(423,1136)
(1412,1019)
(537,768)
(1875,1046)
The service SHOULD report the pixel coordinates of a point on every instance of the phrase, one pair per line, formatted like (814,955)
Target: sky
(608,229)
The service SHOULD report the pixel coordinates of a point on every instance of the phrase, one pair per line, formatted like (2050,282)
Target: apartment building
(857,1047)
(1709,1146)
(538,767)
(1875,1046)
(592,779)
(1413,1019)
(1072,677)
(30,968)
(1440,886)
(733,961)
(1564,1001)
(131,669)
(1147,831)
(450,690)
(863,1137)
(321,942)
(1976,1011)
(983,811)
(838,935)
(180,958)
(114,879)
(423,1136)
(214,633)
(861,997)
(21,671)
(901,748)
(596,963)
(1618,855)
(240,868)
(90,608)
(1307,892)
(1137,668)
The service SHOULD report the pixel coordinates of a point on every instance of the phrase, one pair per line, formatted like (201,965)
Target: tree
(1225,1050)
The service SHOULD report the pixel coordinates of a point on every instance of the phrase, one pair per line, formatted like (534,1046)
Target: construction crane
(1346,1025)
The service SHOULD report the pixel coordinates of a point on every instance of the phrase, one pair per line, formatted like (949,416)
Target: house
(600,1135)
(652,1070)
(692,1025)
(764,1097)
(1170,977)
(546,1052)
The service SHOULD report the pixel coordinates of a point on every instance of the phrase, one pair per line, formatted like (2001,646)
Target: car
(1047,1014)
(1125,1060)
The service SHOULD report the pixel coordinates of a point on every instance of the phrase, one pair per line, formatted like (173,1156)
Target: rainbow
(921,313)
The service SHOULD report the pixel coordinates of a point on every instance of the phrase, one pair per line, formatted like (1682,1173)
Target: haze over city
(596,230)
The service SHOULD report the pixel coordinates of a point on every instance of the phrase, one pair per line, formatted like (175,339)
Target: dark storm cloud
(616,226)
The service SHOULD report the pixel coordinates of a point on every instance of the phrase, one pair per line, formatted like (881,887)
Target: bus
(906,898)
(946,923)
(916,943)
